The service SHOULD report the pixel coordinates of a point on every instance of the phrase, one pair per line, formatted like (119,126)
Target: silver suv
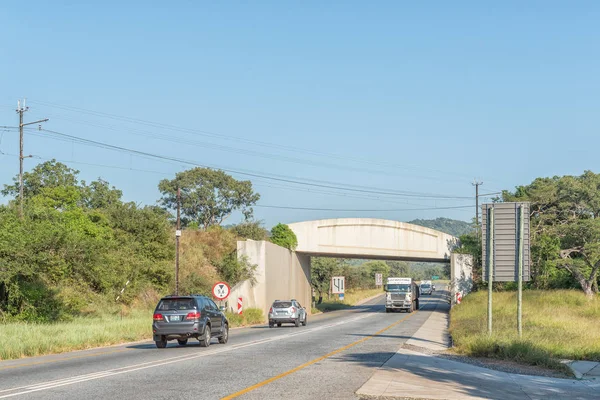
(182,317)
(287,311)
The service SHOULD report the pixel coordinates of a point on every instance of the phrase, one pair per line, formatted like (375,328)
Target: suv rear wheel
(305,320)
(297,322)
(225,335)
(182,342)
(162,343)
(205,341)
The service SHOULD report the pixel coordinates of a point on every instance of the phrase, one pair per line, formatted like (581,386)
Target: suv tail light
(158,317)
(293,309)
(271,310)
(193,316)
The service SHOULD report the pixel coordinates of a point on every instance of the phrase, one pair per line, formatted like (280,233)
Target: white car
(426,288)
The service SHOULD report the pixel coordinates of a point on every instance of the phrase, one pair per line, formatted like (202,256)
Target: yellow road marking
(316,360)
(61,359)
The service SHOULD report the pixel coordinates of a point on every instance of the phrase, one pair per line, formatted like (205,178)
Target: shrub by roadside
(250,316)
(557,324)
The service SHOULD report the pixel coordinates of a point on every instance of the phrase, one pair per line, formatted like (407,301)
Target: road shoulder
(422,369)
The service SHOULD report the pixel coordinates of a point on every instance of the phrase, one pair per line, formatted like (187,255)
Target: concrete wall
(461,275)
(281,274)
(372,238)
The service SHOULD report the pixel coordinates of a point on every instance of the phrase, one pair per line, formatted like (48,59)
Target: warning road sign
(221,290)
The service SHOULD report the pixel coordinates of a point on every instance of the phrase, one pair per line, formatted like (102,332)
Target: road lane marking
(31,364)
(316,360)
(152,364)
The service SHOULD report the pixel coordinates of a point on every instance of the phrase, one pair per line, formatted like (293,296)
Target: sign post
(338,284)
(490,267)
(506,250)
(520,274)
(221,291)
(378,279)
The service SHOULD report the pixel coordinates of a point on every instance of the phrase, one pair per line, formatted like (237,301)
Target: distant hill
(450,226)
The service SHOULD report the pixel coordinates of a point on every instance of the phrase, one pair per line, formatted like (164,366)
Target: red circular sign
(221,290)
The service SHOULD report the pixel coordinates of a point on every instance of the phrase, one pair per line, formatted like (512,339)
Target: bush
(250,230)
(283,236)
(250,316)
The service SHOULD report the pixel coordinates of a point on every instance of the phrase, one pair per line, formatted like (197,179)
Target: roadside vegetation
(351,298)
(26,339)
(557,325)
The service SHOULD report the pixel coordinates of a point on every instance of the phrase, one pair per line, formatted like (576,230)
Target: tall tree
(565,227)
(322,269)
(49,174)
(208,196)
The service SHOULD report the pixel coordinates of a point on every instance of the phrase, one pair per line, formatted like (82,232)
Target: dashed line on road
(18,391)
(316,360)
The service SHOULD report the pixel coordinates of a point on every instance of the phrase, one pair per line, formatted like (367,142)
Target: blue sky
(384,96)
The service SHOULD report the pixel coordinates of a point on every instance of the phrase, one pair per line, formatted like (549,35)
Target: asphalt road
(329,358)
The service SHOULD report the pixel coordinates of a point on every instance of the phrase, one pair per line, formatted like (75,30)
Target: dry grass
(350,299)
(20,339)
(558,324)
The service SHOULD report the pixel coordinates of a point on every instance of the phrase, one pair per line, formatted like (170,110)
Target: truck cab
(426,287)
(401,294)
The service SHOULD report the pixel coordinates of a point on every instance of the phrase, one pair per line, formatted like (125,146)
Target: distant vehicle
(287,311)
(426,288)
(183,317)
(401,294)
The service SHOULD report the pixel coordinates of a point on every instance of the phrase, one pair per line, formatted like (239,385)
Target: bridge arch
(284,274)
(372,238)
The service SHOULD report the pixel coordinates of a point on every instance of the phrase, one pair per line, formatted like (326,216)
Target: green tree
(250,230)
(208,196)
(321,271)
(49,174)
(374,267)
(398,268)
(283,236)
(565,228)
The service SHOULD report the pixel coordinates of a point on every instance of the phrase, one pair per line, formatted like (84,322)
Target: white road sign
(221,290)
(378,279)
(338,284)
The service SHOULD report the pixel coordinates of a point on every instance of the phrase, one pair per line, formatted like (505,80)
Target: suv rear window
(282,304)
(176,304)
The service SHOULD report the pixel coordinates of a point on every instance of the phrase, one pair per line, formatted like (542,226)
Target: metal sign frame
(505,244)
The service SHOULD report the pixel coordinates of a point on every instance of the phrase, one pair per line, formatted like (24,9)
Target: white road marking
(152,364)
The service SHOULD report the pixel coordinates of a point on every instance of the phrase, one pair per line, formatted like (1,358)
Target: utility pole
(21,109)
(477,184)
(177,236)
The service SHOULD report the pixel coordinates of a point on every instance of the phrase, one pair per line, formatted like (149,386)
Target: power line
(235,138)
(256,175)
(248,152)
(356,210)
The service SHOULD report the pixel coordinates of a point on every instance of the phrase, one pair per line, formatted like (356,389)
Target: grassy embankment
(350,298)
(557,324)
(20,339)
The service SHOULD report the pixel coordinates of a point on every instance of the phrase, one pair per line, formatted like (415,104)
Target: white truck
(426,287)
(401,294)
